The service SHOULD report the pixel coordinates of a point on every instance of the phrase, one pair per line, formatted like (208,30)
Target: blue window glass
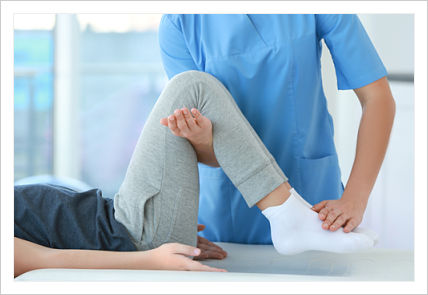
(33,97)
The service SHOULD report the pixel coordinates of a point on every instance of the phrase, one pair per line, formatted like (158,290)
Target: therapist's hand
(346,213)
(209,250)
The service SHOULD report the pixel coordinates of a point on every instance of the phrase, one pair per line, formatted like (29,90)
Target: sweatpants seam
(174,221)
(156,225)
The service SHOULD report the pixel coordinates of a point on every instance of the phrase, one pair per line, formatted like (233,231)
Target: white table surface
(261,263)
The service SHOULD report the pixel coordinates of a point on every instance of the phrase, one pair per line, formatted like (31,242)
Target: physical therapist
(271,66)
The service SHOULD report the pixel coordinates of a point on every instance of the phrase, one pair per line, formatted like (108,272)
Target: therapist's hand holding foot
(344,213)
(296,228)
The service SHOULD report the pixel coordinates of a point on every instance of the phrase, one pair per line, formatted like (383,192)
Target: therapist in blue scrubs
(271,66)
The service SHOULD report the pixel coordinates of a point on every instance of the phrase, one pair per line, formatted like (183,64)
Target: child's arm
(173,256)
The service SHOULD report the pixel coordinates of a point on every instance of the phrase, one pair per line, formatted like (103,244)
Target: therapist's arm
(378,111)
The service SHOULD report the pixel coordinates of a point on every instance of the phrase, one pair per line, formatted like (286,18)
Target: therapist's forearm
(373,136)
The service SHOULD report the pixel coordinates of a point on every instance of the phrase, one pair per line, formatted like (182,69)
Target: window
(121,76)
(33,95)
(83,89)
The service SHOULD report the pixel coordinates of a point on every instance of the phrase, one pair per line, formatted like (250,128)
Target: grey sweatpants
(158,199)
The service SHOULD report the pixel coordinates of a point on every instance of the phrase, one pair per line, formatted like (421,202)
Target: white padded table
(261,263)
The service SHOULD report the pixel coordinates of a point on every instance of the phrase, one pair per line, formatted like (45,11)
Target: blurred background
(85,83)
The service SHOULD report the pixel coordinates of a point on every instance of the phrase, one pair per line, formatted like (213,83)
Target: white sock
(296,228)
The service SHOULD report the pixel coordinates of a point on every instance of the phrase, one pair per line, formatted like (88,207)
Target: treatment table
(261,263)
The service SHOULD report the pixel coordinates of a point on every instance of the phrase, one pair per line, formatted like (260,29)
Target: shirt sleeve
(355,58)
(175,55)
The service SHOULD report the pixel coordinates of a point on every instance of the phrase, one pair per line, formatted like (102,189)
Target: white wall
(391,204)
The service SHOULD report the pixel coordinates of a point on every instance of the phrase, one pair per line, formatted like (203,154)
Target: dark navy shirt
(59,217)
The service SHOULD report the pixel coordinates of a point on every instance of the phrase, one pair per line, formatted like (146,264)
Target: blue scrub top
(271,66)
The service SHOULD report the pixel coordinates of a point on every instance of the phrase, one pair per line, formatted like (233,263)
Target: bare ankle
(276,197)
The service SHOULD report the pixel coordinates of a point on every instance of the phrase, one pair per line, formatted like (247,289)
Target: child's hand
(337,213)
(174,256)
(197,128)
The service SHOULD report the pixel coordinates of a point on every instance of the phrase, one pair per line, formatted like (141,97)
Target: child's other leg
(158,199)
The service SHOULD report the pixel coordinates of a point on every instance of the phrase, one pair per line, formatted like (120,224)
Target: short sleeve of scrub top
(174,53)
(355,58)
(271,66)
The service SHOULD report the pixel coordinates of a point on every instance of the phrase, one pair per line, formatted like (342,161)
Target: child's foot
(191,125)
(197,129)
(296,228)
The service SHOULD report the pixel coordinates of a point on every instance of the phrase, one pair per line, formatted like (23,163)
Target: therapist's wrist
(356,191)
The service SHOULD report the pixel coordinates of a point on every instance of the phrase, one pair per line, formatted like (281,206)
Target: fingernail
(177,112)
(171,118)
(197,251)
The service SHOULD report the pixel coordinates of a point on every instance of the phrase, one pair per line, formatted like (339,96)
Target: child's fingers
(181,122)
(185,249)
(189,119)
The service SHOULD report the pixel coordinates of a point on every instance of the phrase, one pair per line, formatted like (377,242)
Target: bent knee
(195,77)
(192,89)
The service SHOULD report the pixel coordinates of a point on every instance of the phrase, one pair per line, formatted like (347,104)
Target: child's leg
(158,200)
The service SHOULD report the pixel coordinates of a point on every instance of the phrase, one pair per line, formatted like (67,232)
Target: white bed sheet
(261,263)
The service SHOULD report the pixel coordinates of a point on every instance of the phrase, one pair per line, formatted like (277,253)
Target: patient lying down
(56,227)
